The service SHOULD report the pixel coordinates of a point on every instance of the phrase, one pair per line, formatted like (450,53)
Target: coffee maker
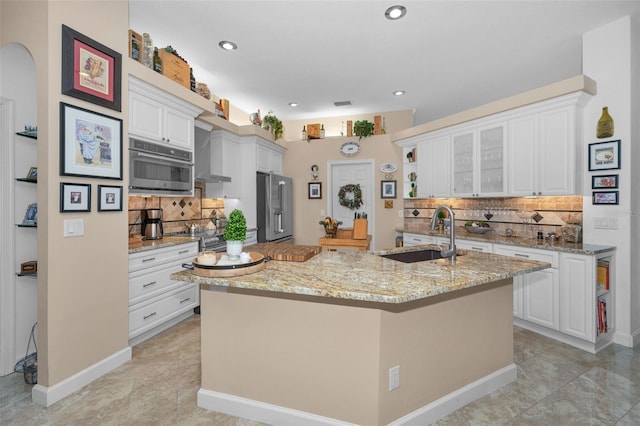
(152,224)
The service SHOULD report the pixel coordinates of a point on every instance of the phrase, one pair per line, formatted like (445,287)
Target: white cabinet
(587,307)
(410,239)
(536,295)
(434,168)
(155,301)
(156,116)
(480,246)
(225,160)
(479,161)
(543,159)
(269,157)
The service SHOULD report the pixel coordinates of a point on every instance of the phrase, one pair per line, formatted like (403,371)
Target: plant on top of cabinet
(363,128)
(273,123)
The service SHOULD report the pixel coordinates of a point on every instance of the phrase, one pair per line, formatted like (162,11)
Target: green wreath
(356,202)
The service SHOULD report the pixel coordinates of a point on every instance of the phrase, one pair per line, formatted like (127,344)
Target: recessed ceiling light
(398,92)
(395,12)
(228,45)
(293,104)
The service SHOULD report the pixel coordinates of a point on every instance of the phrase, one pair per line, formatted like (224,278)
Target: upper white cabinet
(269,157)
(225,160)
(434,168)
(543,156)
(157,116)
(479,161)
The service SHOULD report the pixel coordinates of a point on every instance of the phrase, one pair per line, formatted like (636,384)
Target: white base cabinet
(535,295)
(156,301)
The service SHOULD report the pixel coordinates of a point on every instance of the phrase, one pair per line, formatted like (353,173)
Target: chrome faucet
(451,253)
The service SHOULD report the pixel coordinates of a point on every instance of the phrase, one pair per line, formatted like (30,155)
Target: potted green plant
(441,217)
(273,123)
(235,233)
(363,128)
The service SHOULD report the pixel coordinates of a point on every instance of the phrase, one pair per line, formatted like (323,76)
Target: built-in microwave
(159,169)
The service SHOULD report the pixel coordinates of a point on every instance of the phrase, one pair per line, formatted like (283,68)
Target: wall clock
(349,148)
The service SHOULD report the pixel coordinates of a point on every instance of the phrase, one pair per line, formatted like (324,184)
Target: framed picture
(388,189)
(33,173)
(90,143)
(75,197)
(604,155)
(109,198)
(31,215)
(604,182)
(315,190)
(90,70)
(609,197)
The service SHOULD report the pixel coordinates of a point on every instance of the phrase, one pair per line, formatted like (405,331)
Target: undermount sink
(415,256)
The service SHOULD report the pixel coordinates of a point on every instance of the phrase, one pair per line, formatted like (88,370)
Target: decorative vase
(605,125)
(234,248)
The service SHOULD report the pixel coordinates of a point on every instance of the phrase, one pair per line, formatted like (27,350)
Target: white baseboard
(50,395)
(457,399)
(274,414)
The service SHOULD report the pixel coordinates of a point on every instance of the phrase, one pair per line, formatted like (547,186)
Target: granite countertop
(365,276)
(495,237)
(144,245)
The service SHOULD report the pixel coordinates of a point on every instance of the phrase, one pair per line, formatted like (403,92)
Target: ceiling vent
(342,103)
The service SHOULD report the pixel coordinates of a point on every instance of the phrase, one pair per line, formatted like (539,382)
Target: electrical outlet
(322,213)
(394,377)
(400,213)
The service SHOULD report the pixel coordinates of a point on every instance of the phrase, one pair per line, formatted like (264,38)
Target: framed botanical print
(90,70)
(315,190)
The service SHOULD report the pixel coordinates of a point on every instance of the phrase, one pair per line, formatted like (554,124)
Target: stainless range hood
(207,163)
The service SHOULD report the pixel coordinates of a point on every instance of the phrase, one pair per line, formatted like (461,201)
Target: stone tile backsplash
(177,212)
(513,213)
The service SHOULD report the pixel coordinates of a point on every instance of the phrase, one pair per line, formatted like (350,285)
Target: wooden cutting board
(287,252)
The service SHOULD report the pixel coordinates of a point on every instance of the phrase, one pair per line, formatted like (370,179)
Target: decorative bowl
(208,258)
(477,229)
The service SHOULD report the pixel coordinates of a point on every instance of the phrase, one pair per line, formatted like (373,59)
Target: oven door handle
(161,157)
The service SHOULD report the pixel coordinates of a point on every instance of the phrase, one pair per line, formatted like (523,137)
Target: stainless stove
(208,240)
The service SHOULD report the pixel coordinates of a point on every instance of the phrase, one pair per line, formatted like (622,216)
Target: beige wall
(301,155)
(82,282)
(333,359)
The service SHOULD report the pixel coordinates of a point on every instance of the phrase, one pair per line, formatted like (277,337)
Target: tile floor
(557,385)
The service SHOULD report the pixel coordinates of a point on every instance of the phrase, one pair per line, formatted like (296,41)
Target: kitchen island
(324,341)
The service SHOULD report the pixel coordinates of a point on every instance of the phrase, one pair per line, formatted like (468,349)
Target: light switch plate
(605,223)
(73,228)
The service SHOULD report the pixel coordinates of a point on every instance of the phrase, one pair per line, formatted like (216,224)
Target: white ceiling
(448,55)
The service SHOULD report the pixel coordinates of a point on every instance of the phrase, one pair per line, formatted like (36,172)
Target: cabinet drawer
(161,256)
(474,245)
(148,283)
(169,305)
(410,239)
(529,254)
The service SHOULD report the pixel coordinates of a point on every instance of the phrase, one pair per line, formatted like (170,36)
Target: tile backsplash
(513,213)
(177,212)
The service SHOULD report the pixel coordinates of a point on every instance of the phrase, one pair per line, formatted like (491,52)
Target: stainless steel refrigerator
(274,208)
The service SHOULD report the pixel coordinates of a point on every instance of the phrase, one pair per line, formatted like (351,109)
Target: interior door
(352,173)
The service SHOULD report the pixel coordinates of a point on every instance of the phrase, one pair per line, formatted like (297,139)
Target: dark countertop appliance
(274,208)
(152,224)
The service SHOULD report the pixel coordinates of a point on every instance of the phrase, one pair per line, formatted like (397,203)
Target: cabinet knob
(539,193)
(533,193)
(163,139)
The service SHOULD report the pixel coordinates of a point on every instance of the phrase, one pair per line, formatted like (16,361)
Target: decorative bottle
(605,125)
(304,132)
(193,80)
(322,132)
(135,48)
(147,51)
(157,62)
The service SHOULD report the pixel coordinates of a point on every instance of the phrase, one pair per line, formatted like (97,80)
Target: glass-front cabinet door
(478,162)
(463,165)
(491,178)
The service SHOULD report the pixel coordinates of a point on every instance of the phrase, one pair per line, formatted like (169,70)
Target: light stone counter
(371,278)
(497,238)
(144,245)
